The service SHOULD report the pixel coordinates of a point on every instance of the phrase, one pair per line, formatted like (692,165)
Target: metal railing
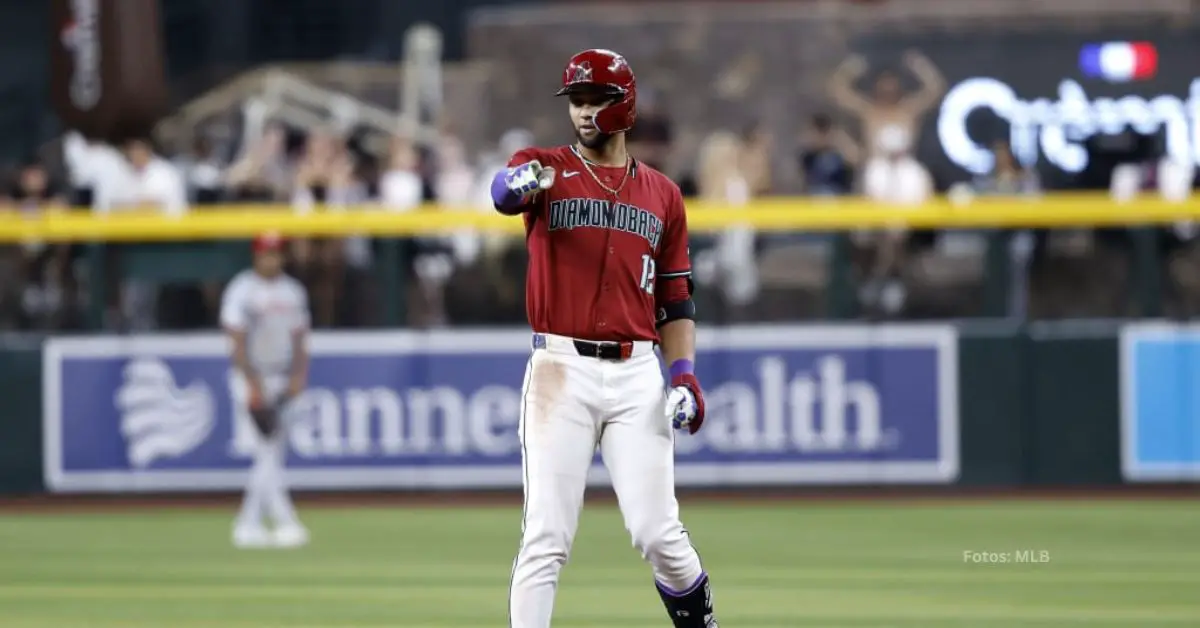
(282,93)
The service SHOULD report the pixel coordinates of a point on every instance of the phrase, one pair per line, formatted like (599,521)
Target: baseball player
(609,279)
(266,314)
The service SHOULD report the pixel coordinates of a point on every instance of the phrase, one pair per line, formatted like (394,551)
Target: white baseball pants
(266,496)
(570,404)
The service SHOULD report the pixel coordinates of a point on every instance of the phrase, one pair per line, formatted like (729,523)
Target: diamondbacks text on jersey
(602,268)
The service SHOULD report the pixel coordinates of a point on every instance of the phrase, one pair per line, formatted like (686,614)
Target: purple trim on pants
(673,593)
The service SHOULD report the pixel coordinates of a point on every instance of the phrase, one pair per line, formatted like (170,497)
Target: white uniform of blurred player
(266,314)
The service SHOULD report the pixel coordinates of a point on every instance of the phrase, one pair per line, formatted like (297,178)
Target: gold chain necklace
(624,178)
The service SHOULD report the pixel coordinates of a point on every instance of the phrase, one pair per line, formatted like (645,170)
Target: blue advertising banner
(1160,402)
(787,405)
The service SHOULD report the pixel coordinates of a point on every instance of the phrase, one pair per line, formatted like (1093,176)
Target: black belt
(604,350)
(613,350)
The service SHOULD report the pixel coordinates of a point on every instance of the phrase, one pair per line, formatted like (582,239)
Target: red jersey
(601,267)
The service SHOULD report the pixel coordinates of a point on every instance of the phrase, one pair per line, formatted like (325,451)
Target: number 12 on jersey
(647,282)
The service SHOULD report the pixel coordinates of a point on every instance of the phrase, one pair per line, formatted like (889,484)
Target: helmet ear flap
(619,116)
(602,69)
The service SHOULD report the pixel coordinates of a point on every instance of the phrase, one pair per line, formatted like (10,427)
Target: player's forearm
(241,360)
(299,370)
(678,340)
(243,366)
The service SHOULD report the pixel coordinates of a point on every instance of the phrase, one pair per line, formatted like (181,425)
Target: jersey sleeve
(673,264)
(233,306)
(523,156)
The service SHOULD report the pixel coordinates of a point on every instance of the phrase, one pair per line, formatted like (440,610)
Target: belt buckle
(616,351)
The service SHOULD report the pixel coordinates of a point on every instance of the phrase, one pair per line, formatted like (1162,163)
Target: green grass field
(1131,564)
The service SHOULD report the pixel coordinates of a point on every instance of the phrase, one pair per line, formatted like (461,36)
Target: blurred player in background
(266,315)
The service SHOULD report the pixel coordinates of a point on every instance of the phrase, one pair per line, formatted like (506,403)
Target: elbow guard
(675,311)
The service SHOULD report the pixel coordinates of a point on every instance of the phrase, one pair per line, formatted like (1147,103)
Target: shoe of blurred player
(291,535)
(251,537)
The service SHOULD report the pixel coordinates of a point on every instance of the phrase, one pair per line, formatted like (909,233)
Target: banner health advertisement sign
(1160,402)
(786,406)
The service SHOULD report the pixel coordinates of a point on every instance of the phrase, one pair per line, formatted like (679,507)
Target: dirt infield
(350,499)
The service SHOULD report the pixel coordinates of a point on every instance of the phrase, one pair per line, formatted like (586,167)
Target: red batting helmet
(607,71)
(269,241)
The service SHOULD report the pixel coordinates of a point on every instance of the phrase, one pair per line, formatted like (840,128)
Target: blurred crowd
(864,145)
(316,169)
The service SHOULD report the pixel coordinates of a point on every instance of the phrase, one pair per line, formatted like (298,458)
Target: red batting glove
(690,382)
(682,375)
